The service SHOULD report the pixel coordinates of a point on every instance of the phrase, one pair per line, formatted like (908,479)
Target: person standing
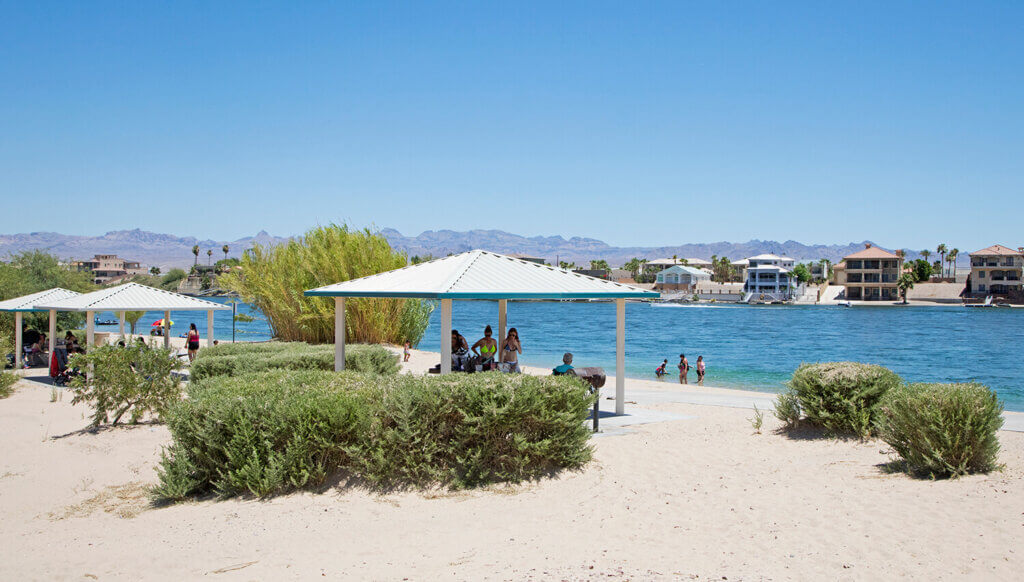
(192,343)
(684,367)
(510,350)
(700,370)
(406,352)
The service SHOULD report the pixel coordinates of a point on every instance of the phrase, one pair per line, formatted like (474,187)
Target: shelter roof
(685,269)
(131,297)
(28,302)
(999,250)
(481,274)
(768,257)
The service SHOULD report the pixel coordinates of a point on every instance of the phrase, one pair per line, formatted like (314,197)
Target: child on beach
(700,370)
(660,370)
(684,367)
(406,352)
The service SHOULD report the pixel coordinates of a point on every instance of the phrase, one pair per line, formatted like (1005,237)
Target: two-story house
(996,270)
(770,274)
(872,274)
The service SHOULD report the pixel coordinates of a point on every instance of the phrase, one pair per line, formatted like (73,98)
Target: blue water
(758,347)
(256,330)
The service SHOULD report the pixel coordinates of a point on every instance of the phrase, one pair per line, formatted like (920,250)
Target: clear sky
(636,123)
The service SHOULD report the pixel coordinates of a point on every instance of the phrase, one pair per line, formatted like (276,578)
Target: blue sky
(636,123)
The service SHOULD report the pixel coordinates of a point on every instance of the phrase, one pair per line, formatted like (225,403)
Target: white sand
(703,498)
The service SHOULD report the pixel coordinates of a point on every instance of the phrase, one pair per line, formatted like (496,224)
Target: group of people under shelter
(487,353)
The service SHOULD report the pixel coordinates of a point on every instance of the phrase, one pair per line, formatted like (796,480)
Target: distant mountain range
(167,250)
(149,248)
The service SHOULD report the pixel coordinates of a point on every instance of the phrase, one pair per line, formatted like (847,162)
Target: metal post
(167,330)
(90,330)
(234,305)
(339,334)
(18,352)
(620,356)
(209,328)
(53,331)
(502,319)
(446,336)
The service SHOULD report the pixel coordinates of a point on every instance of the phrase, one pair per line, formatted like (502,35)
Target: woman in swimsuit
(460,351)
(510,350)
(488,348)
(700,370)
(684,367)
(193,342)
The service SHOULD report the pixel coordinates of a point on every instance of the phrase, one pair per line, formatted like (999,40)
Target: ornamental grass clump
(289,356)
(7,382)
(839,397)
(942,430)
(274,431)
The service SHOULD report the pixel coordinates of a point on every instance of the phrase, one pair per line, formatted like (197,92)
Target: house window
(981,274)
(981,287)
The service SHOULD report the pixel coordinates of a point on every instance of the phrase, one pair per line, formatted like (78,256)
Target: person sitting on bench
(566,366)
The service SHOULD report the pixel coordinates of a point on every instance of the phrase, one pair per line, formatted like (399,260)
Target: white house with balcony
(681,278)
(771,276)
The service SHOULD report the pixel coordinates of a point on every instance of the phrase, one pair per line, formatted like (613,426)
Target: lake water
(758,347)
(748,347)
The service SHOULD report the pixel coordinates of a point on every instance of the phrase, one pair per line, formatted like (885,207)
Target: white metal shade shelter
(135,297)
(489,276)
(26,304)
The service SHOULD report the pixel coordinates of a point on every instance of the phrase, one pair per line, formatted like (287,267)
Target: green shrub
(787,409)
(841,397)
(289,356)
(134,379)
(277,430)
(7,382)
(942,430)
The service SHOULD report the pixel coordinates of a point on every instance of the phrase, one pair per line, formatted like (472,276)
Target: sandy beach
(701,496)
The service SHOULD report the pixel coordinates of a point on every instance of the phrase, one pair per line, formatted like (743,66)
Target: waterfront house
(109,268)
(769,274)
(871,274)
(996,270)
(681,278)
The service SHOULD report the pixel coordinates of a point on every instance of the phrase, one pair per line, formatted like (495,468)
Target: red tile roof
(872,252)
(997,250)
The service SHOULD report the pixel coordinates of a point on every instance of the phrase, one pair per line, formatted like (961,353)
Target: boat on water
(98,321)
(844,304)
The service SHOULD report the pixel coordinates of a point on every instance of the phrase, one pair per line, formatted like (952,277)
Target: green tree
(925,254)
(941,250)
(170,281)
(599,265)
(633,266)
(566,266)
(922,270)
(802,273)
(34,271)
(951,257)
(195,251)
(209,256)
(132,318)
(225,249)
(906,283)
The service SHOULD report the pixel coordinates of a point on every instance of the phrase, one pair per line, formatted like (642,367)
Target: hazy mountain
(167,250)
(582,250)
(149,248)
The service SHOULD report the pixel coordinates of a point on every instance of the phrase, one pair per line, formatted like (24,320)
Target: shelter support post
(209,328)
(620,356)
(90,330)
(167,329)
(53,331)
(18,352)
(120,323)
(446,336)
(502,319)
(339,334)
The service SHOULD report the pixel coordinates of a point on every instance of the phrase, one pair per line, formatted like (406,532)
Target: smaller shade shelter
(135,297)
(482,275)
(26,304)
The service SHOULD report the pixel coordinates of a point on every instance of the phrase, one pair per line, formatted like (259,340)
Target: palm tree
(952,262)
(154,271)
(906,283)
(209,256)
(195,251)
(902,254)
(225,249)
(941,250)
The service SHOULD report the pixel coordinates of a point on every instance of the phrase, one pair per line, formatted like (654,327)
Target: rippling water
(758,347)
(256,330)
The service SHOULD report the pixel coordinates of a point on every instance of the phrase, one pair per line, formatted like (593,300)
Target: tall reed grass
(274,278)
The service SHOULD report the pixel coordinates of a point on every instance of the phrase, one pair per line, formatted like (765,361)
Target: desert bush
(290,356)
(7,382)
(942,430)
(273,278)
(278,430)
(840,397)
(787,409)
(134,380)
